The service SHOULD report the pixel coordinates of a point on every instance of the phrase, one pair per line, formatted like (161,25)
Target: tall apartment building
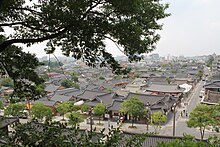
(216,65)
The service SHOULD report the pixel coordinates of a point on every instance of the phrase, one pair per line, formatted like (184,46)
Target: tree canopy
(80,28)
(158,118)
(74,118)
(63,108)
(201,117)
(14,109)
(20,67)
(7,82)
(134,107)
(99,110)
(39,111)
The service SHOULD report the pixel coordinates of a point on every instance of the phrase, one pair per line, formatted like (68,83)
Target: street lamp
(174,117)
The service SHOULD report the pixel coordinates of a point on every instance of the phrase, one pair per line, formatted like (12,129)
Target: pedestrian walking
(181,113)
(186,114)
(184,111)
(109,123)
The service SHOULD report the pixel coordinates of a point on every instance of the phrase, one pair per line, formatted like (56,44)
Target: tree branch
(11,24)
(7,43)
(116,44)
(26,9)
(41,29)
(89,9)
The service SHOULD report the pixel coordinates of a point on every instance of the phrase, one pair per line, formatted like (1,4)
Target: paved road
(181,126)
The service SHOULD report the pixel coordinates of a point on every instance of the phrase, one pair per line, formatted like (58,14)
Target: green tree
(134,107)
(20,67)
(216,117)
(168,80)
(74,119)
(101,78)
(39,111)
(74,77)
(201,117)
(1,105)
(85,108)
(158,118)
(99,110)
(56,134)
(7,82)
(200,74)
(209,61)
(76,85)
(14,109)
(81,27)
(63,108)
(67,83)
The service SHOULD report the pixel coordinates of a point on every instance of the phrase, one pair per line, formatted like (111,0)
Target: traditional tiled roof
(89,95)
(74,93)
(92,103)
(45,102)
(163,87)
(64,91)
(146,99)
(107,98)
(213,97)
(116,105)
(51,88)
(5,121)
(60,98)
(212,84)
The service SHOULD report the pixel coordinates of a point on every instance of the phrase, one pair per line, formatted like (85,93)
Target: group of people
(184,112)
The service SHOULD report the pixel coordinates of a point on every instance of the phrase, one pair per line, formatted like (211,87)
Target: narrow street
(181,122)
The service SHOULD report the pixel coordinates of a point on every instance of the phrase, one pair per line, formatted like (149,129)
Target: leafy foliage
(209,61)
(158,118)
(39,111)
(1,105)
(14,109)
(80,28)
(63,108)
(57,134)
(85,108)
(74,77)
(20,67)
(201,117)
(7,82)
(99,110)
(134,107)
(74,118)
(67,83)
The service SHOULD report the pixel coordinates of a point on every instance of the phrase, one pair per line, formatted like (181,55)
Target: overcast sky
(192,29)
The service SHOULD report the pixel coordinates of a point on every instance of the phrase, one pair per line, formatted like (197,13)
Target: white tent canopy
(187,87)
(79,103)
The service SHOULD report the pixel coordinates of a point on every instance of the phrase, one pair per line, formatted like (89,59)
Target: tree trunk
(202,132)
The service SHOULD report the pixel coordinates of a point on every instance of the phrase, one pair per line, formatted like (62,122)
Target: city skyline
(191,30)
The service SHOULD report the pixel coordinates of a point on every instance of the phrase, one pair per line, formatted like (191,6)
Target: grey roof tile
(163,87)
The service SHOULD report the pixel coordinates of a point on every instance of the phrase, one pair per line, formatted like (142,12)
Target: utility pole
(174,118)
(90,112)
